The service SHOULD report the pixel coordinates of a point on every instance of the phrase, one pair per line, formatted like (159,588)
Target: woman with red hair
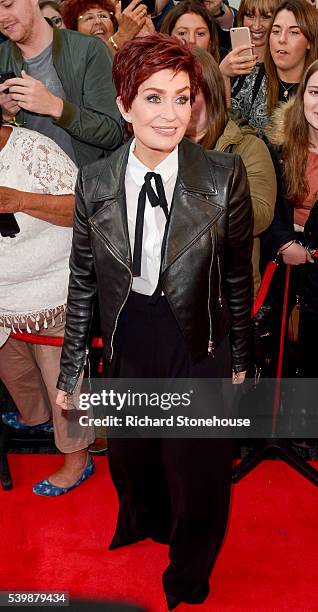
(162,235)
(101,19)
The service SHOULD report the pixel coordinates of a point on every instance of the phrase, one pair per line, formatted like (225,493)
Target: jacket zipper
(219,267)
(210,343)
(128,292)
(220,286)
(122,306)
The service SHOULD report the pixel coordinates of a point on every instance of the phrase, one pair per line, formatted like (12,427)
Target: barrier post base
(270,448)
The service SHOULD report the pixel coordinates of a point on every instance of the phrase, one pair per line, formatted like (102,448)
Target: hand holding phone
(242,59)
(131,17)
(4,76)
(10,107)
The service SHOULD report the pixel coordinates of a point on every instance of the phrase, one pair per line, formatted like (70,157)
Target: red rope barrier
(48,340)
(265,284)
(98,342)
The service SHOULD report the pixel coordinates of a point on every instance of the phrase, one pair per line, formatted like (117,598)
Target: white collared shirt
(154,220)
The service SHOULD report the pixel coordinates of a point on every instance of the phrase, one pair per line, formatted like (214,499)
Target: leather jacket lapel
(110,219)
(194,206)
(110,222)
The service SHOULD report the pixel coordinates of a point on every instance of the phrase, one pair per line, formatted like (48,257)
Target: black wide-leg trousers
(176,491)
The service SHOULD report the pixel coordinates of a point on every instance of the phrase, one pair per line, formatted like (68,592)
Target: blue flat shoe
(12,420)
(46,488)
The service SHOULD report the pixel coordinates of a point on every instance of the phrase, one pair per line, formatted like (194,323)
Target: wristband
(113,43)
(14,122)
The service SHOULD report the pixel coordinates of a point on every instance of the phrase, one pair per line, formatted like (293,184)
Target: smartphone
(241,36)
(149,4)
(4,76)
(8,225)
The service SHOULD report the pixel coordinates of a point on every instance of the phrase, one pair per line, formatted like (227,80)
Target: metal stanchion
(274,447)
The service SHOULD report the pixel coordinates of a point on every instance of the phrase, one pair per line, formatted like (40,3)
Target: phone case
(241,36)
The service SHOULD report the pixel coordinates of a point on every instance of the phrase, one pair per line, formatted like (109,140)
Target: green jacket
(240,138)
(90,114)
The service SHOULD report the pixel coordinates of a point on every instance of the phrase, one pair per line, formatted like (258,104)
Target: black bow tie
(155,200)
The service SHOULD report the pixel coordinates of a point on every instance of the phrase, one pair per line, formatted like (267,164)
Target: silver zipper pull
(211,348)
(257,375)
(86,356)
(88,364)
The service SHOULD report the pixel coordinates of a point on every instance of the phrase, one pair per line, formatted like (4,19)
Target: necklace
(286,89)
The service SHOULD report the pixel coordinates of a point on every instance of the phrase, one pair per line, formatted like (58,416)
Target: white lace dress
(34,267)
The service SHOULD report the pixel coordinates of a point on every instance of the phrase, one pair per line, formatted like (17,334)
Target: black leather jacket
(206,269)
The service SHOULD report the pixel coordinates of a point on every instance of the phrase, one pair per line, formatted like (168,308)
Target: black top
(282,231)
(286,90)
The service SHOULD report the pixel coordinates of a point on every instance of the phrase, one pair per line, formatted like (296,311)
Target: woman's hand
(61,400)
(130,21)
(294,254)
(9,106)
(226,19)
(147,29)
(235,64)
(238,377)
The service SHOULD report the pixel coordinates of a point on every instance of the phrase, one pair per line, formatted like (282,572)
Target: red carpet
(268,562)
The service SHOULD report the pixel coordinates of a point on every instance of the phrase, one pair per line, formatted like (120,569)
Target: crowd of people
(152,106)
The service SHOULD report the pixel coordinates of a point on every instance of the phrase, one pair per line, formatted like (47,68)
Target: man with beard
(62,86)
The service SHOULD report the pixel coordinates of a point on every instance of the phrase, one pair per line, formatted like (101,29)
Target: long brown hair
(212,86)
(306,16)
(197,7)
(296,143)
